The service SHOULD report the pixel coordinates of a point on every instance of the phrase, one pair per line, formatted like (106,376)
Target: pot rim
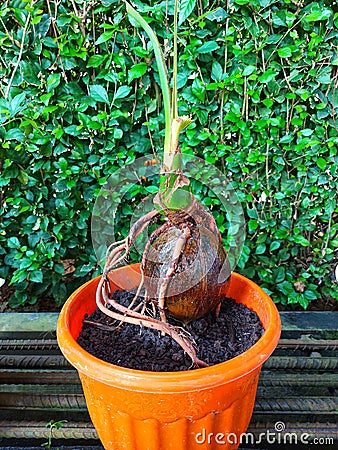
(189,380)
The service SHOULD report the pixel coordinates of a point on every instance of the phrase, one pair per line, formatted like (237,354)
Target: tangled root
(177,252)
(136,313)
(115,255)
(131,316)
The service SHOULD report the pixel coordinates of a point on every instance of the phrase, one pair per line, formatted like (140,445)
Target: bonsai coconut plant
(184,276)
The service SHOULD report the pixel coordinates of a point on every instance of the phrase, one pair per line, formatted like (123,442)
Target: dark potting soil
(216,339)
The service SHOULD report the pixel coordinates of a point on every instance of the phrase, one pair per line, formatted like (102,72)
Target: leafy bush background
(79,99)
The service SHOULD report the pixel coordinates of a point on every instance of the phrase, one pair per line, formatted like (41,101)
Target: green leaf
(16,103)
(286,288)
(278,18)
(15,134)
(306,132)
(260,249)
(152,106)
(96,60)
(42,27)
(98,93)
(303,301)
(186,8)
(49,42)
(284,52)
(62,164)
(182,79)
(219,14)
(30,72)
(252,225)
(286,139)
(330,206)
(108,3)
(202,116)
(208,47)
(13,242)
(23,177)
(105,37)
(53,81)
(267,76)
(17,299)
(137,71)
(273,39)
(152,189)
(281,233)
(248,70)
(252,213)
(118,133)
(321,163)
(322,14)
(311,295)
(268,103)
(279,274)
(122,92)
(264,3)
(18,276)
(216,71)
(198,89)
(275,245)
(36,276)
(298,239)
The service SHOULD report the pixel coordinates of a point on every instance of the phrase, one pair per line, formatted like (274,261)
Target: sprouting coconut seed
(186,267)
(184,264)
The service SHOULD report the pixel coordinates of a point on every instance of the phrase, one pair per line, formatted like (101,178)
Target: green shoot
(162,70)
(173,183)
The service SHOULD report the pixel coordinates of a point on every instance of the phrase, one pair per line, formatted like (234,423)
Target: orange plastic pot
(192,410)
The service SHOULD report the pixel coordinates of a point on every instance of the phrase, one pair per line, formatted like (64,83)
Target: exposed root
(154,235)
(136,313)
(163,284)
(121,251)
(218,310)
(114,244)
(114,257)
(140,225)
(131,316)
(136,296)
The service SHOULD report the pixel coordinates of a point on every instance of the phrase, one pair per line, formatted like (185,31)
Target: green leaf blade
(137,71)
(99,93)
(186,8)
(122,92)
(208,47)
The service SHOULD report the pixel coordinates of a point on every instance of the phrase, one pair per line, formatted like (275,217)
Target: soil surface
(216,339)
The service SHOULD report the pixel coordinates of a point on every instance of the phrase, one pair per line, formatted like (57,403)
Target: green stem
(174,192)
(162,70)
(174,92)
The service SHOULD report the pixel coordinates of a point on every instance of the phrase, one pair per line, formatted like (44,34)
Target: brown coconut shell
(201,271)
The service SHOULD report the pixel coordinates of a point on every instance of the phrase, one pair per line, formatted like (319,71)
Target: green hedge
(79,99)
